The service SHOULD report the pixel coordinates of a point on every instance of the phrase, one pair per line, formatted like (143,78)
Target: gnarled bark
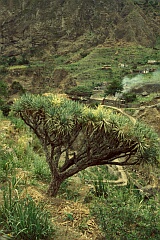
(54,186)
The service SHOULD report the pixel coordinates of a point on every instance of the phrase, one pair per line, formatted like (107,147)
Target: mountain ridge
(30,26)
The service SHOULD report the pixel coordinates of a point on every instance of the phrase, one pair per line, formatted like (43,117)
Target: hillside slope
(66,25)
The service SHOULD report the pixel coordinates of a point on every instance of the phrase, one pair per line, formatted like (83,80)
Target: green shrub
(23,60)
(3,60)
(5,109)
(114,87)
(16,87)
(12,61)
(125,215)
(129,97)
(80,91)
(3,89)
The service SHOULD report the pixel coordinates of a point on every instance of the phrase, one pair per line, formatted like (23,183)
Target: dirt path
(123,180)
(116,171)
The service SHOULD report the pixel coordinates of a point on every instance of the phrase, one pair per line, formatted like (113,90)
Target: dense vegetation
(124,214)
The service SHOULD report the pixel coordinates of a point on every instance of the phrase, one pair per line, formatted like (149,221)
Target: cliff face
(54,25)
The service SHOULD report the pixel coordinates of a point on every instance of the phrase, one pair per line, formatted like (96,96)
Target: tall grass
(5,165)
(22,218)
(100,187)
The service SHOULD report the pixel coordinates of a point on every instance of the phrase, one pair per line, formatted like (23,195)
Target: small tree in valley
(114,87)
(75,136)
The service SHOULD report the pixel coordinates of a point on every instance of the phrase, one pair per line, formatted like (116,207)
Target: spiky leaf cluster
(102,135)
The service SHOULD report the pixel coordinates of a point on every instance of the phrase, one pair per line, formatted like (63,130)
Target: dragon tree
(75,136)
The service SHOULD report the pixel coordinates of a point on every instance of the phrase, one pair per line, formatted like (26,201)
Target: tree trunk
(54,186)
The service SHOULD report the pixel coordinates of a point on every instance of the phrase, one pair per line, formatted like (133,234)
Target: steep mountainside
(56,25)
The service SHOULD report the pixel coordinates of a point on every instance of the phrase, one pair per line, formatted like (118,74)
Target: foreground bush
(24,219)
(125,215)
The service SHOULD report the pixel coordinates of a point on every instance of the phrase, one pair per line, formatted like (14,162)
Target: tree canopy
(114,87)
(75,136)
